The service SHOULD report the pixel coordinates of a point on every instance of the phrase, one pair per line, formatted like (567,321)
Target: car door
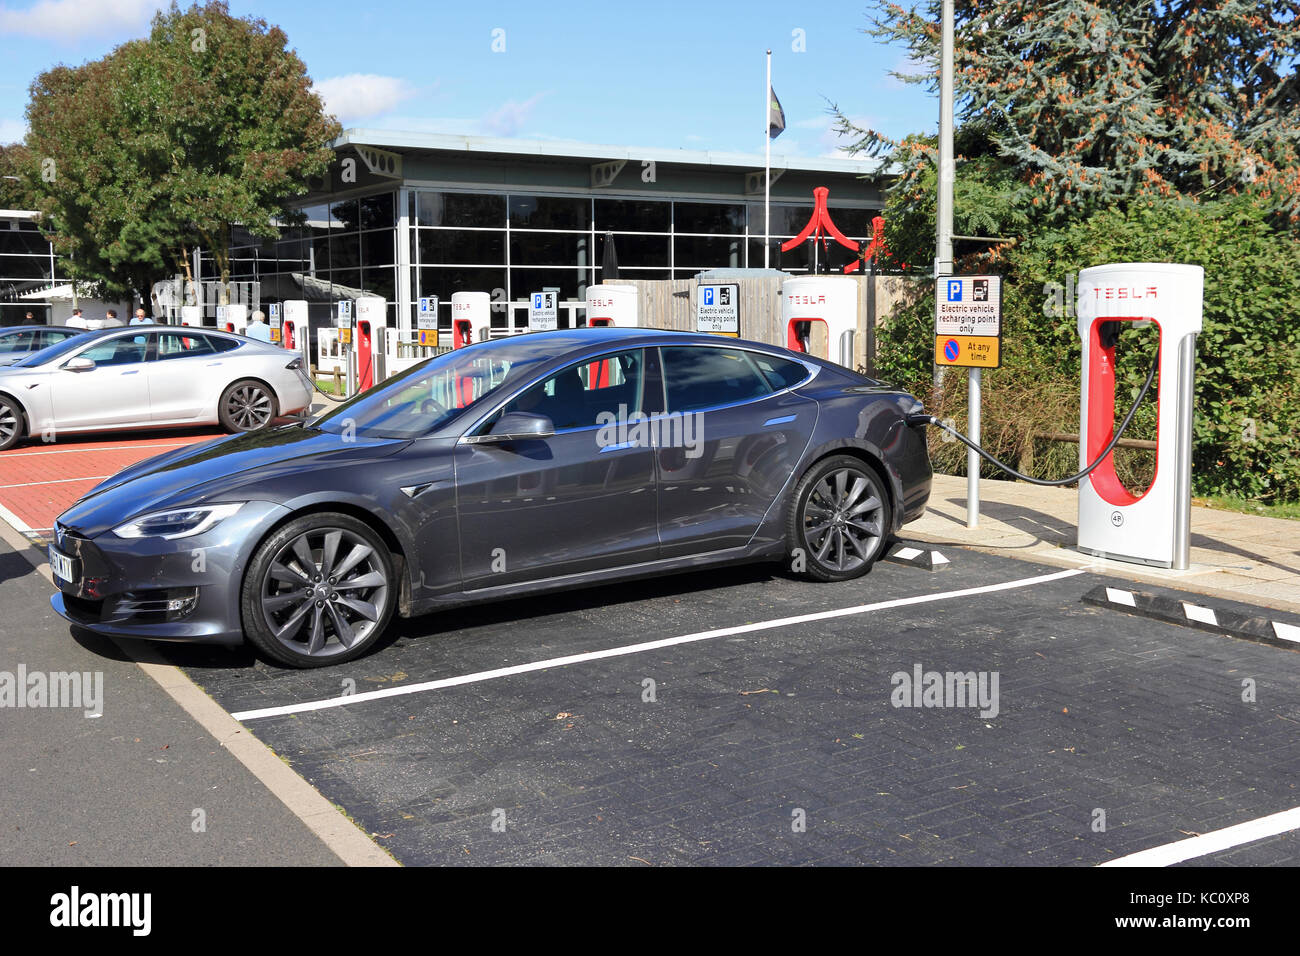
(731,433)
(187,374)
(580,500)
(114,392)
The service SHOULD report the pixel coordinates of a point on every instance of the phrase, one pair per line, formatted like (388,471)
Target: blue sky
(657,73)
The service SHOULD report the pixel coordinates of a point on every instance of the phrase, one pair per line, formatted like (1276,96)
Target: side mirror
(79,364)
(516,426)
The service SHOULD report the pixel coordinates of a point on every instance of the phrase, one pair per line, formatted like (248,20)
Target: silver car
(149,377)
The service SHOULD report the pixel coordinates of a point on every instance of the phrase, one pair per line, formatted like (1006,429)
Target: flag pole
(767,164)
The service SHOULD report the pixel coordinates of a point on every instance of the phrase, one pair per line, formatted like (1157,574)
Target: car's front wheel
(246,406)
(839,523)
(11,423)
(319,591)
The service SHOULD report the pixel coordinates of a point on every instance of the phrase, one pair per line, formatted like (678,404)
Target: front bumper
(125,587)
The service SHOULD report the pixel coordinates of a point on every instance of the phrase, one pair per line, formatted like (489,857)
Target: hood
(241,467)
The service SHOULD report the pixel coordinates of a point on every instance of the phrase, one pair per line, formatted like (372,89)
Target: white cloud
(358,96)
(74,19)
(12,131)
(510,117)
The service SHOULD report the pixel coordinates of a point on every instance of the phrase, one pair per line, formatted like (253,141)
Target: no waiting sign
(968,321)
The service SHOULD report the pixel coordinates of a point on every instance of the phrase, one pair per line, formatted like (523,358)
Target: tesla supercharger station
(612,305)
(295,334)
(368,343)
(831,300)
(192,315)
(233,317)
(469,311)
(1154,527)
(343,311)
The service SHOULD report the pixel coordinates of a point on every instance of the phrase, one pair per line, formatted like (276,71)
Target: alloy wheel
(843,520)
(249,407)
(324,592)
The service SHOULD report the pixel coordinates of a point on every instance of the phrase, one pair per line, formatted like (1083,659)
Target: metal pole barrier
(973,459)
(1183,454)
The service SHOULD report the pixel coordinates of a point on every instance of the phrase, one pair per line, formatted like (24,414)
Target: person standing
(141,318)
(111,320)
(257,327)
(77,321)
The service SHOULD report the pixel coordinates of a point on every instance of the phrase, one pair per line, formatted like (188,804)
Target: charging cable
(1146,386)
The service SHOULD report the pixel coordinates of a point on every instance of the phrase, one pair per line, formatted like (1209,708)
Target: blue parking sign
(708,297)
(954,290)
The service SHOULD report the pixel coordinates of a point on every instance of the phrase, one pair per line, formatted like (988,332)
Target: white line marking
(14,521)
(1288,632)
(638,648)
(55,481)
(1205,615)
(1117,596)
(1208,843)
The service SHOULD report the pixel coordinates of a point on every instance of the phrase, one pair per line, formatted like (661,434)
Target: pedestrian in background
(76,322)
(257,327)
(111,320)
(141,318)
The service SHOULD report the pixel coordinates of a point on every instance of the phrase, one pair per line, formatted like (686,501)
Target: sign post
(276,322)
(968,334)
(543,312)
(717,309)
(426,321)
(343,322)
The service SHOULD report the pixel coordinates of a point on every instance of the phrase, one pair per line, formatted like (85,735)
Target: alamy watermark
(35,689)
(638,430)
(922,688)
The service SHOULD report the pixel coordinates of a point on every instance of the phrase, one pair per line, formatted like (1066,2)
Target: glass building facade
(498,218)
(29,271)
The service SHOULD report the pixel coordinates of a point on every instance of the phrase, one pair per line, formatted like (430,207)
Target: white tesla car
(149,377)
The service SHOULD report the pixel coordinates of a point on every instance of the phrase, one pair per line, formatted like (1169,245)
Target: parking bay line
(628,649)
(1213,842)
(54,481)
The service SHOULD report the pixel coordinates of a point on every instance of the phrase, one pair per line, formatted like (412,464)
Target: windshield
(53,351)
(435,392)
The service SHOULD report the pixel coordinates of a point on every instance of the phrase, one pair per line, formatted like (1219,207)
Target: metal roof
(591,152)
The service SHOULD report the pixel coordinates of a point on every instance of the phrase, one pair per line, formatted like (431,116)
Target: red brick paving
(39,481)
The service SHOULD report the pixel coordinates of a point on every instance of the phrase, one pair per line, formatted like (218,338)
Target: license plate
(61,565)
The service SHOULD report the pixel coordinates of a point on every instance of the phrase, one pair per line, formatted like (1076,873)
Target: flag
(775,115)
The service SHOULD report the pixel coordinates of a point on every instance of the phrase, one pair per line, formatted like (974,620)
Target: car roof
(8,329)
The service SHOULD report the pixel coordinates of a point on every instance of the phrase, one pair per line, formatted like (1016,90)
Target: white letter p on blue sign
(954,290)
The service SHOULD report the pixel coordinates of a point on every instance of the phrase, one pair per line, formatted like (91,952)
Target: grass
(1285,509)
(327,385)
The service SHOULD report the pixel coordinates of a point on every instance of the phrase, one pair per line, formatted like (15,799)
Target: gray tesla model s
(511,467)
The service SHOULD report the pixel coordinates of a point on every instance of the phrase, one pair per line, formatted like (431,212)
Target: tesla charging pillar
(1154,527)
(831,300)
(233,317)
(469,311)
(372,317)
(294,334)
(192,315)
(612,305)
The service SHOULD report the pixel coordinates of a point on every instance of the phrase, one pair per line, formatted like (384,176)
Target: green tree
(1094,103)
(167,142)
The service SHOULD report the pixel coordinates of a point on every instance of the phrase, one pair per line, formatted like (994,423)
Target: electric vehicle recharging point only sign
(968,321)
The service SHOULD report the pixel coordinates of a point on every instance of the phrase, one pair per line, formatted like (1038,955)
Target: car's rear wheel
(839,523)
(11,423)
(246,406)
(319,591)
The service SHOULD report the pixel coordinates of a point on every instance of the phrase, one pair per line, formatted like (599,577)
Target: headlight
(181,523)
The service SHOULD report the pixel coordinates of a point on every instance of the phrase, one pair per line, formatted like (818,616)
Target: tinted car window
(223,345)
(183,345)
(116,351)
(576,397)
(702,377)
(779,373)
(46,337)
(18,341)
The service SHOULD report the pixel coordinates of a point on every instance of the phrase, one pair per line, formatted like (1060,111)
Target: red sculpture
(821,226)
